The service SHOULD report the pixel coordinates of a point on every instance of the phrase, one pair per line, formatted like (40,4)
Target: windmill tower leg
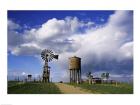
(46,73)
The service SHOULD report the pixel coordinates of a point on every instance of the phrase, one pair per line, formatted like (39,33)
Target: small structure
(75,69)
(29,77)
(97,80)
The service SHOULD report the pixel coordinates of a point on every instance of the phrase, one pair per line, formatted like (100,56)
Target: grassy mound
(32,88)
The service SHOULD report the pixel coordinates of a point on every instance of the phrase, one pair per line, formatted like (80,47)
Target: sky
(103,40)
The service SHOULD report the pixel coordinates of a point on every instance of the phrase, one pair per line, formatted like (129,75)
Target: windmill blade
(48,55)
(51,51)
(43,54)
(49,59)
(47,51)
(51,55)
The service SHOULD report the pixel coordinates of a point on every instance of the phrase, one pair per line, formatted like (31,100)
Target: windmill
(47,56)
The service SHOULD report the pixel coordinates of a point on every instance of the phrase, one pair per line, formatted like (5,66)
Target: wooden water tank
(74,63)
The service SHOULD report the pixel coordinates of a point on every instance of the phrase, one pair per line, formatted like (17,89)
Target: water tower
(29,77)
(75,69)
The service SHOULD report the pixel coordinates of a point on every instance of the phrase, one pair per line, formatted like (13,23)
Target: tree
(89,76)
(105,76)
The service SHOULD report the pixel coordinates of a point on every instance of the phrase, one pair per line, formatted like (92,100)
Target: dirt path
(69,89)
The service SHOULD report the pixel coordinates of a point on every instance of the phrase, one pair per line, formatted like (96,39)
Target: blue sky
(35,18)
(103,39)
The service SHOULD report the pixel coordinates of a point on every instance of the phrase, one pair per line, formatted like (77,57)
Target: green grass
(14,83)
(121,88)
(50,88)
(32,88)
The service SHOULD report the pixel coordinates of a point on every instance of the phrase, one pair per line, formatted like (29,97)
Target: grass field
(52,88)
(32,88)
(122,88)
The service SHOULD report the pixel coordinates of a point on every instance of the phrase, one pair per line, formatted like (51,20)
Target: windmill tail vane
(55,56)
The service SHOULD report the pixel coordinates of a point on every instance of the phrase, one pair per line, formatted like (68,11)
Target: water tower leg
(70,76)
(75,76)
(80,76)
